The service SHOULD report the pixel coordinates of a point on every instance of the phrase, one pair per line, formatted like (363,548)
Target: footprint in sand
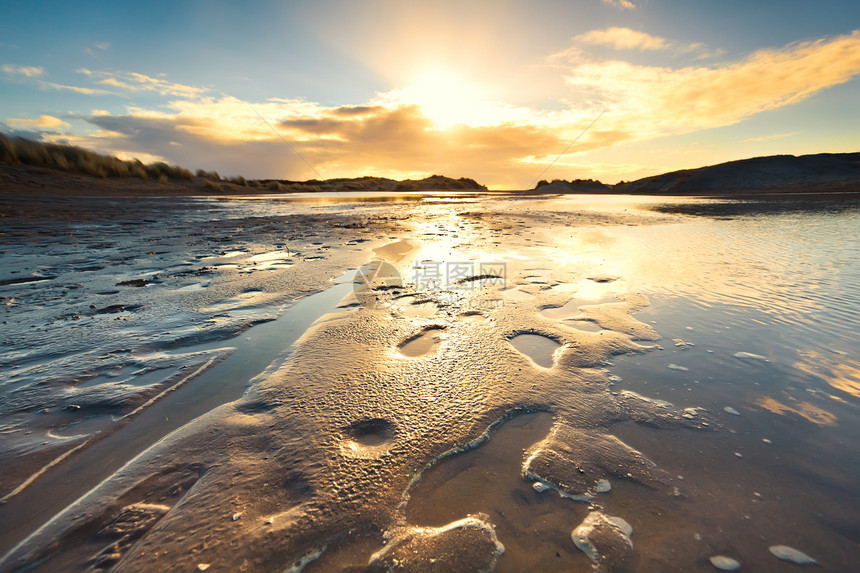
(369,437)
(426,341)
(541,349)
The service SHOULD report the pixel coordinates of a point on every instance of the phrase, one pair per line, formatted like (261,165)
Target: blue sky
(490,90)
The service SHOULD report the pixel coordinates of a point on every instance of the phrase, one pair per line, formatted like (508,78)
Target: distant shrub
(7,150)
(238,180)
(213,186)
(60,161)
(159,170)
(210,175)
(31,152)
(137,169)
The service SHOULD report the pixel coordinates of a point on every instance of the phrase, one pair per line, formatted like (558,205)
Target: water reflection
(759,206)
(785,265)
(335,198)
(843,376)
(805,410)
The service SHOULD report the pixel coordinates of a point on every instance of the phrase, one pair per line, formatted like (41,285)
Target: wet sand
(469,423)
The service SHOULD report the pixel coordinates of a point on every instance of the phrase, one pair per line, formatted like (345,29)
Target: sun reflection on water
(805,410)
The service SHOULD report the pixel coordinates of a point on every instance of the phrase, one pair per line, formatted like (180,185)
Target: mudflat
(460,382)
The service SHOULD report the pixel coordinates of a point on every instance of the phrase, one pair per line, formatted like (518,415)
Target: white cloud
(135,82)
(76,89)
(13,70)
(91,50)
(626,4)
(31,74)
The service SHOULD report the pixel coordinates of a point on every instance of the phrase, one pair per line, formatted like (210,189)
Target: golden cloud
(44,121)
(769,137)
(623,39)
(395,141)
(654,101)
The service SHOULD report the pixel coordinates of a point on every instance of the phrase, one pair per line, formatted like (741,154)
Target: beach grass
(73,159)
(17,150)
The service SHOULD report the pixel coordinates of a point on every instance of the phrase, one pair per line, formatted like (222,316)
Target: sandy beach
(437,382)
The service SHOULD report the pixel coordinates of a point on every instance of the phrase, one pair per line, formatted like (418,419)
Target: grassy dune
(71,159)
(75,159)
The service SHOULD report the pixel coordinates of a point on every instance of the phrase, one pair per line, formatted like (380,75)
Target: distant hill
(574,186)
(432,183)
(774,174)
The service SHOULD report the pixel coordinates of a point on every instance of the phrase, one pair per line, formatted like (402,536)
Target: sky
(505,92)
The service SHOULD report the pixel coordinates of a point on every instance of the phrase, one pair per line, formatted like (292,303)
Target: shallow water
(538,348)
(752,316)
(248,355)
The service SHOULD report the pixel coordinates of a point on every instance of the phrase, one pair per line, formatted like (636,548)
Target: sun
(446,99)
